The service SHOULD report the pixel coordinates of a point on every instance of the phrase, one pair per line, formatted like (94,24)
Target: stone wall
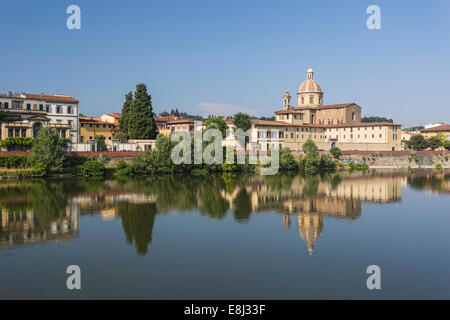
(399,159)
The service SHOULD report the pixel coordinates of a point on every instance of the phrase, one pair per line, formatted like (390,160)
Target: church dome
(309,85)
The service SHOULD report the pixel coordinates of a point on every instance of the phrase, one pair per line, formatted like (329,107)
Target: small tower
(286,100)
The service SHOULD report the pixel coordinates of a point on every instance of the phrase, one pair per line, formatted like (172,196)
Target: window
(41,107)
(17,104)
(311,99)
(380,135)
(5,105)
(90,126)
(104,126)
(28,106)
(353,116)
(82,125)
(97,126)
(303,100)
(58,109)
(69,109)
(81,138)
(47,107)
(373,136)
(394,136)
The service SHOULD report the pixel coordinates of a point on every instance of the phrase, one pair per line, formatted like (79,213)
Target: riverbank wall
(399,159)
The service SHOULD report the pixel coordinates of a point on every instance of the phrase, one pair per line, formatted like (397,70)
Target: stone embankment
(399,159)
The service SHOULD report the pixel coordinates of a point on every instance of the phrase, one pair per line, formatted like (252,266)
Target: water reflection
(43,210)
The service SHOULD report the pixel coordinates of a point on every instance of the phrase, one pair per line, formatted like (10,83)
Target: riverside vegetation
(48,158)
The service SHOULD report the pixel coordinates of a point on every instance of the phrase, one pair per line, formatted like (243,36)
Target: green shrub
(17,141)
(336,152)
(91,168)
(14,161)
(287,161)
(123,169)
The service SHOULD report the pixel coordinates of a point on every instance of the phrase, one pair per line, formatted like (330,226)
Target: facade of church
(327,125)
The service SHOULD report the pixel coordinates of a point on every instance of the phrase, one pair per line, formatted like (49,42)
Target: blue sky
(221,57)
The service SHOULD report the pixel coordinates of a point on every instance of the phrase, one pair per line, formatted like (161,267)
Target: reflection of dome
(310,227)
(309,85)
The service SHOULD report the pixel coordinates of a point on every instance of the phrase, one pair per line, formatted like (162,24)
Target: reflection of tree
(137,222)
(280,182)
(311,186)
(242,206)
(434,183)
(211,201)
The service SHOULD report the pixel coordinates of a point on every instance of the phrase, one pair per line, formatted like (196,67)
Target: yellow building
(92,126)
(433,131)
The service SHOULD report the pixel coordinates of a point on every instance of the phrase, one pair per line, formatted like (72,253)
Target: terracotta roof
(291,110)
(55,98)
(445,127)
(91,120)
(309,85)
(365,124)
(115,115)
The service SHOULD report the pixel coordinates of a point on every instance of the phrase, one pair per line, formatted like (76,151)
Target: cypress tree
(124,119)
(141,122)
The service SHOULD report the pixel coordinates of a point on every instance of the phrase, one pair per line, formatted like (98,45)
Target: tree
(48,151)
(101,145)
(336,152)
(287,161)
(417,142)
(242,121)
(217,123)
(125,118)
(310,149)
(121,136)
(376,119)
(141,122)
(434,143)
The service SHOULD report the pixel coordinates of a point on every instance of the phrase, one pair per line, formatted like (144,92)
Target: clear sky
(221,57)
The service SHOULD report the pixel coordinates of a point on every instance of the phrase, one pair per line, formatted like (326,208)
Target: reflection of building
(310,227)
(312,199)
(24,226)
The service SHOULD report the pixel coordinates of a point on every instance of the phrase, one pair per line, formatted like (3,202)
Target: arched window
(311,99)
(353,116)
(303,100)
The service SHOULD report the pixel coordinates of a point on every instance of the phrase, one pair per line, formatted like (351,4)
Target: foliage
(158,161)
(336,152)
(310,148)
(311,162)
(101,157)
(123,169)
(121,136)
(358,166)
(434,143)
(101,145)
(125,118)
(91,168)
(47,151)
(217,123)
(287,161)
(14,161)
(417,142)
(141,122)
(242,121)
(17,141)
(375,119)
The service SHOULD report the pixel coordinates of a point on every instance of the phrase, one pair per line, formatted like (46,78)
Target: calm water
(215,237)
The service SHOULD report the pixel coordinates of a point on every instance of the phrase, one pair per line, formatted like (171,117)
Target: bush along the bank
(358,166)
(91,168)
(14,162)
(159,161)
(312,162)
(123,169)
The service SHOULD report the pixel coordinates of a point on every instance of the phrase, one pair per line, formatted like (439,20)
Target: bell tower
(286,100)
